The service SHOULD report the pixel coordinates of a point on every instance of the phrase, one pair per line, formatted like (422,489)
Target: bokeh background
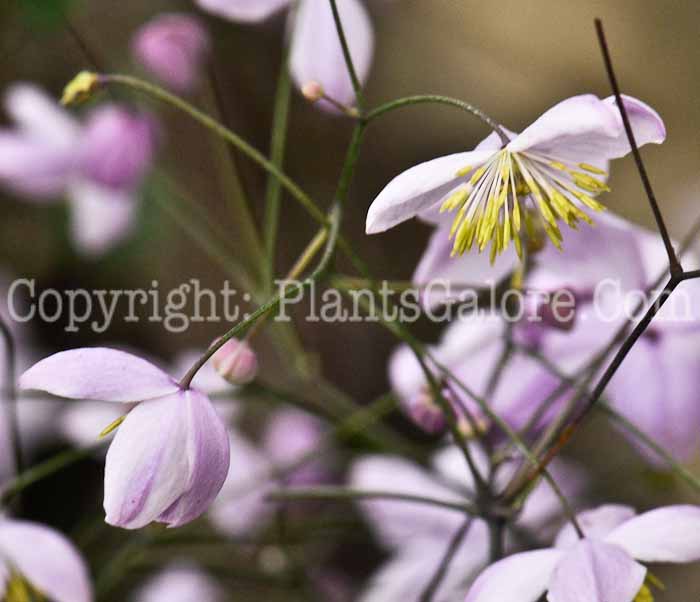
(512,58)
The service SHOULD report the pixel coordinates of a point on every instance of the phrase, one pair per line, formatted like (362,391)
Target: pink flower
(316,53)
(547,174)
(173,46)
(602,567)
(236,362)
(417,535)
(98,165)
(170,456)
(34,556)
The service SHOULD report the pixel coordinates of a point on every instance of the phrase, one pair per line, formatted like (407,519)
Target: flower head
(37,563)
(173,47)
(98,165)
(170,455)
(604,566)
(547,175)
(315,53)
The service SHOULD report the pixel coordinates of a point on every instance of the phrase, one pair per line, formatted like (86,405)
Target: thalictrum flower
(173,46)
(180,582)
(609,267)
(98,165)
(37,563)
(316,54)
(418,535)
(601,567)
(546,175)
(170,455)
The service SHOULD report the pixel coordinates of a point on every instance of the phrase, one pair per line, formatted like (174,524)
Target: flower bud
(80,88)
(312,91)
(117,148)
(236,362)
(173,48)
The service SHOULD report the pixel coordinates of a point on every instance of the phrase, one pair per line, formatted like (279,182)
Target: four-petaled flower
(547,174)
(170,456)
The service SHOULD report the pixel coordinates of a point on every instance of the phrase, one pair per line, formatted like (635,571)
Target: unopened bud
(312,91)
(236,362)
(80,88)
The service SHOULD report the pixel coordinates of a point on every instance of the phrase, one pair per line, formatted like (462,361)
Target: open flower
(601,567)
(316,54)
(37,563)
(547,174)
(170,456)
(173,47)
(98,165)
(418,535)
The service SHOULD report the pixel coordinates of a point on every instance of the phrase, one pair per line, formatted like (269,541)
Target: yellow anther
(455,200)
(80,88)
(592,169)
(559,166)
(112,427)
(18,589)
(464,171)
(589,183)
(477,175)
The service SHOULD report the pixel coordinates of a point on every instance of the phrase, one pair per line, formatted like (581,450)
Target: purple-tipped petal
(522,577)
(101,217)
(244,11)
(397,522)
(46,559)
(585,129)
(99,374)
(594,571)
(316,54)
(420,188)
(663,535)
(596,524)
(173,46)
(208,456)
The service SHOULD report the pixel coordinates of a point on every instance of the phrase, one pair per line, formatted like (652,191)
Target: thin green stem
(347,494)
(438,99)
(222,131)
(10,405)
(434,584)
(273,192)
(352,72)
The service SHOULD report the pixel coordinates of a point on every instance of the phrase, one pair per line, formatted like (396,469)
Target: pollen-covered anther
(488,204)
(18,589)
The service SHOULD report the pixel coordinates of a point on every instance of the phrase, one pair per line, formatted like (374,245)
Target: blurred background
(514,59)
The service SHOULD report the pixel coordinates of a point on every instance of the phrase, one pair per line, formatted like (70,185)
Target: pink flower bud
(312,91)
(236,362)
(117,148)
(172,47)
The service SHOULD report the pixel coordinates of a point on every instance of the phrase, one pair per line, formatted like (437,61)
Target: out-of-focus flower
(601,567)
(98,165)
(418,535)
(471,350)
(609,267)
(316,53)
(170,456)
(290,436)
(38,563)
(180,582)
(545,175)
(173,47)
(236,362)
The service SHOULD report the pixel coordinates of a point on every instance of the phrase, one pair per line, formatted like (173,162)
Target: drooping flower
(418,535)
(98,165)
(546,175)
(39,563)
(170,455)
(290,436)
(173,46)
(316,54)
(180,582)
(604,566)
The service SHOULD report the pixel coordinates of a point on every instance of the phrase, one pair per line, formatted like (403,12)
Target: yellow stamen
(112,427)
(592,169)
(464,171)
